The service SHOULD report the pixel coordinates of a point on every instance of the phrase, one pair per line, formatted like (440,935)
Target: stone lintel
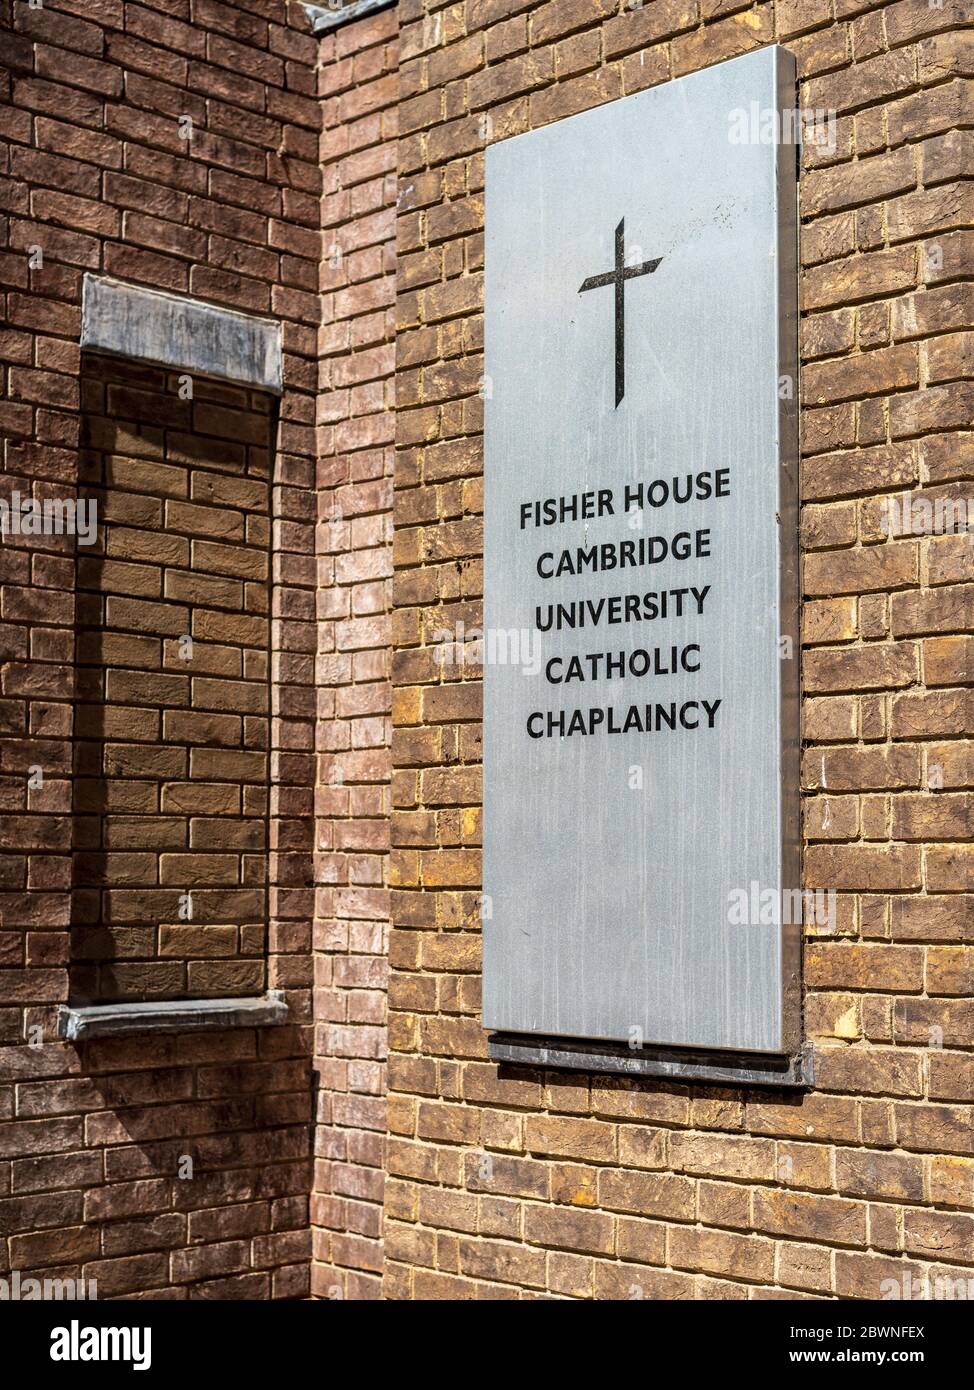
(172,330)
(78,1023)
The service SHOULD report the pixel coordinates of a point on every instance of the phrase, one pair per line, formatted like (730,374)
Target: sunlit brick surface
(356,431)
(220,150)
(507,1184)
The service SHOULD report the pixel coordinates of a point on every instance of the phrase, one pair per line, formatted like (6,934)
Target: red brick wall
(98,174)
(283,202)
(508,1183)
(170,793)
(356,432)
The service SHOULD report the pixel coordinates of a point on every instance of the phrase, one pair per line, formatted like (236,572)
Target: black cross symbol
(618,277)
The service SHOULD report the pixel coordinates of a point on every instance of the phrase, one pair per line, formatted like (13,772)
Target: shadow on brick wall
(170,794)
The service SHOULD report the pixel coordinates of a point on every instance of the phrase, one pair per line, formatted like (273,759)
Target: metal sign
(641,855)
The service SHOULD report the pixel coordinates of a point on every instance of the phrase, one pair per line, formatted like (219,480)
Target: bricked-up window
(170,793)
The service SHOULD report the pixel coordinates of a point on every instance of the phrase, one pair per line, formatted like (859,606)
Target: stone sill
(679,1065)
(79,1023)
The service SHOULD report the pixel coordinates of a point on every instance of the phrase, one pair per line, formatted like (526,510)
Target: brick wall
(508,1183)
(217,149)
(172,693)
(356,430)
(173,144)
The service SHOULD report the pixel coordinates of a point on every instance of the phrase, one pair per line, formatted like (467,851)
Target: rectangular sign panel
(641,842)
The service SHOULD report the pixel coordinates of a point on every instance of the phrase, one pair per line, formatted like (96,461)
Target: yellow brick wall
(508,1183)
